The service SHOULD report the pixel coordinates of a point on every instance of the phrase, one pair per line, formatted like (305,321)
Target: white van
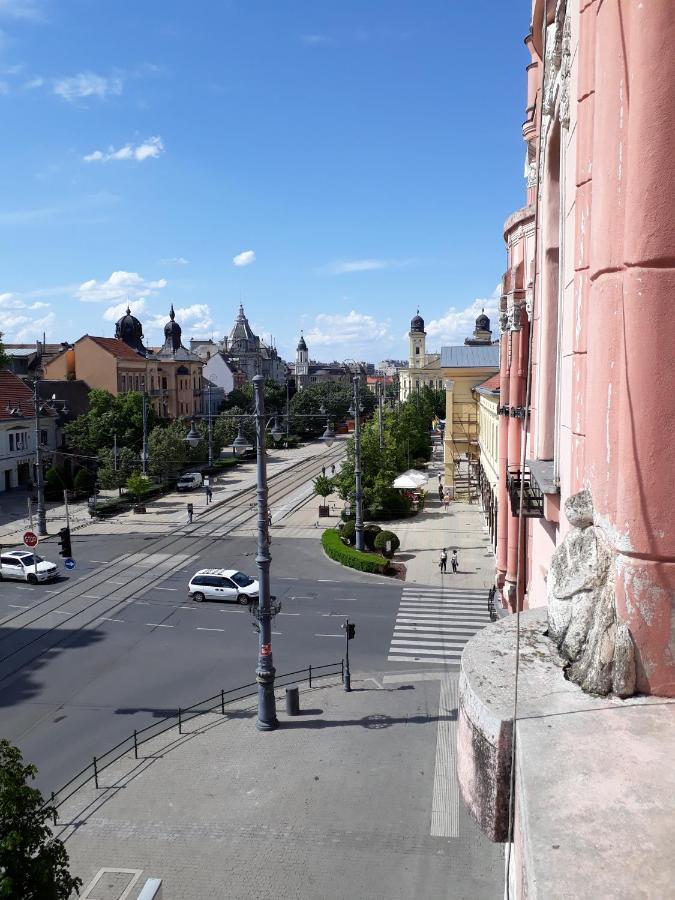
(222,584)
(189,481)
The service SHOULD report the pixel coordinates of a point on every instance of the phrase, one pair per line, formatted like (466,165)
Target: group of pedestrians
(454,561)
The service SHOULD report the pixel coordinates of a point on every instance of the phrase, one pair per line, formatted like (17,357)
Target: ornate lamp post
(358,494)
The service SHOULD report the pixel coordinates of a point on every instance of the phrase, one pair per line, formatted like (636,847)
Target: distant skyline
(331,167)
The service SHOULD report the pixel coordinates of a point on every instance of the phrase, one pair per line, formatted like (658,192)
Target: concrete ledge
(594,775)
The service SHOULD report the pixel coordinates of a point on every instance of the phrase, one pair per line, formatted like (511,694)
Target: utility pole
(288,416)
(208,392)
(145,434)
(358,494)
(264,675)
(39,484)
(380,403)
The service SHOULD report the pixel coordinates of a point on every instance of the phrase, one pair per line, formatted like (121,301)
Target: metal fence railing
(217,703)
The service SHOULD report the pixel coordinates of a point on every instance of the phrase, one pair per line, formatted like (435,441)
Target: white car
(222,584)
(189,481)
(23,565)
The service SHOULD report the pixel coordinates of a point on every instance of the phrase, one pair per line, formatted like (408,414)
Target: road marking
(14,606)
(329,635)
(91,597)
(24,587)
(157,625)
(187,607)
(346,599)
(62,612)
(164,589)
(117,582)
(329,580)
(445,798)
(104,562)
(288,614)
(289,579)
(209,629)
(417,659)
(415,676)
(277,632)
(105,619)
(48,591)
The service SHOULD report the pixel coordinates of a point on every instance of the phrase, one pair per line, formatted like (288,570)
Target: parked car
(222,584)
(22,565)
(189,481)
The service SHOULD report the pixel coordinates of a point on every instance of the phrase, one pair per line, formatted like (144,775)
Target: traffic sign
(30,539)
(69,563)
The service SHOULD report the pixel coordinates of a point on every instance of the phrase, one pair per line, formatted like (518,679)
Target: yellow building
(171,377)
(464,367)
(488,444)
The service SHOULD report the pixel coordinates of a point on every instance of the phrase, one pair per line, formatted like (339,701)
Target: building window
(123,383)
(44,437)
(143,383)
(18,441)
(417,351)
(11,443)
(164,383)
(152,382)
(136,381)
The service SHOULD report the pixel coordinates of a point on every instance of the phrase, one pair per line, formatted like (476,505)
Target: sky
(332,166)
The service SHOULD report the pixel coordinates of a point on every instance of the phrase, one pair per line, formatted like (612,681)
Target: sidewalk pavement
(356,797)
(167,510)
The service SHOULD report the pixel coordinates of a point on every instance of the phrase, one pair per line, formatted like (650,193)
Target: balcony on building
(533,498)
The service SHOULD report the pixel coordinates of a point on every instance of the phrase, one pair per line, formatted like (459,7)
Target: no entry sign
(30,539)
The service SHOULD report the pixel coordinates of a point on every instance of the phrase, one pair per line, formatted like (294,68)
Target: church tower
(417,343)
(301,364)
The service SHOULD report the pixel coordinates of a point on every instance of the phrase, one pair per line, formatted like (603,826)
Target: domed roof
(172,332)
(417,324)
(301,343)
(130,330)
(482,322)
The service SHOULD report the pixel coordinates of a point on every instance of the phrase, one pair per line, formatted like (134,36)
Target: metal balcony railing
(533,499)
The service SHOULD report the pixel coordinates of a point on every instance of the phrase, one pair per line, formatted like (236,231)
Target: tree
(127,463)
(138,485)
(226,426)
(323,487)
(33,863)
(109,416)
(84,481)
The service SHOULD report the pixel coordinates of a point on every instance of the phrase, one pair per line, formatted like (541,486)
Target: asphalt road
(117,643)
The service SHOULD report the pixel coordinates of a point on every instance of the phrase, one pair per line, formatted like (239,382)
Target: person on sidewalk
(454,562)
(190,511)
(443,561)
(332,469)
(209,494)
(323,471)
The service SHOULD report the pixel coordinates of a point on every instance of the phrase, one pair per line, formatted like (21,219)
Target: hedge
(348,556)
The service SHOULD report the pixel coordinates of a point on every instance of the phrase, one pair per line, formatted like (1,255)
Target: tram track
(167,547)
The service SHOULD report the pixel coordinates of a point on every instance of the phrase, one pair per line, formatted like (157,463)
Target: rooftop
(115,347)
(16,398)
(491,386)
(466,357)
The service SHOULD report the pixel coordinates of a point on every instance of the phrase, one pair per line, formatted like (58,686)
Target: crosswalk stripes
(434,623)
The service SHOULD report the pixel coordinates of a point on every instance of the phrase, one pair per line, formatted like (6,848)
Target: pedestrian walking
(209,494)
(440,478)
(443,563)
(332,469)
(440,493)
(190,511)
(323,471)
(454,562)
(446,500)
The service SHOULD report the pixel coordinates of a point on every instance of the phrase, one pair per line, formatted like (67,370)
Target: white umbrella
(407,482)
(419,477)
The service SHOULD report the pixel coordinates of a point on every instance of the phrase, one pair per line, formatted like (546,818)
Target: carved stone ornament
(565,69)
(553,58)
(514,321)
(503,321)
(582,621)
(529,303)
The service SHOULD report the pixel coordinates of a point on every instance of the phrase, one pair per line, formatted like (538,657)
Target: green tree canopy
(109,416)
(33,863)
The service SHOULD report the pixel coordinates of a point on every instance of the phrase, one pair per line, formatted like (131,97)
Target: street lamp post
(210,426)
(380,404)
(358,494)
(264,675)
(39,483)
(145,434)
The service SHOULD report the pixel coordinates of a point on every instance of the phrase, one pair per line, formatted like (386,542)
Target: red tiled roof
(15,395)
(492,384)
(115,347)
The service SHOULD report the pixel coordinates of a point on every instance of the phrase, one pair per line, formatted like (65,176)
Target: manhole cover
(112,884)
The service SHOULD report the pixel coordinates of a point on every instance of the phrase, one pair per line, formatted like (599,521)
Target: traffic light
(350,628)
(64,542)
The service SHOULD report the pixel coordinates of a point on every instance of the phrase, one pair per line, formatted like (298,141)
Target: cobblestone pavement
(356,797)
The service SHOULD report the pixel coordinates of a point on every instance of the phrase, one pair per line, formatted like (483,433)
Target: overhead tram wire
(168,543)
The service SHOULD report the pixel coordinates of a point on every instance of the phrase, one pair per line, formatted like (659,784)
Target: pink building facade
(587,324)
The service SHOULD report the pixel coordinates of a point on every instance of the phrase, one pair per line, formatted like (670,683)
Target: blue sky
(356,159)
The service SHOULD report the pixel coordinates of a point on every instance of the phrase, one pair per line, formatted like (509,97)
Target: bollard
(222,702)
(293,701)
(135,745)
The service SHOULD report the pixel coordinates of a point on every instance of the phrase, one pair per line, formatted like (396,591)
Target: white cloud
(313,40)
(343,267)
(149,149)
(455,325)
(34,83)
(21,9)
(87,84)
(174,261)
(194,318)
(245,258)
(12,301)
(119,287)
(352,328)
(21,328)
(115,312)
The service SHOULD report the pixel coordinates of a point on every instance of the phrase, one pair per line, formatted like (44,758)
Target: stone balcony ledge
(594,776)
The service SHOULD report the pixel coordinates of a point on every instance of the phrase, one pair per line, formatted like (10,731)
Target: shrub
(84,482)
(370,532)
(138,485)
(348,532)
(347,556)
(384,538)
